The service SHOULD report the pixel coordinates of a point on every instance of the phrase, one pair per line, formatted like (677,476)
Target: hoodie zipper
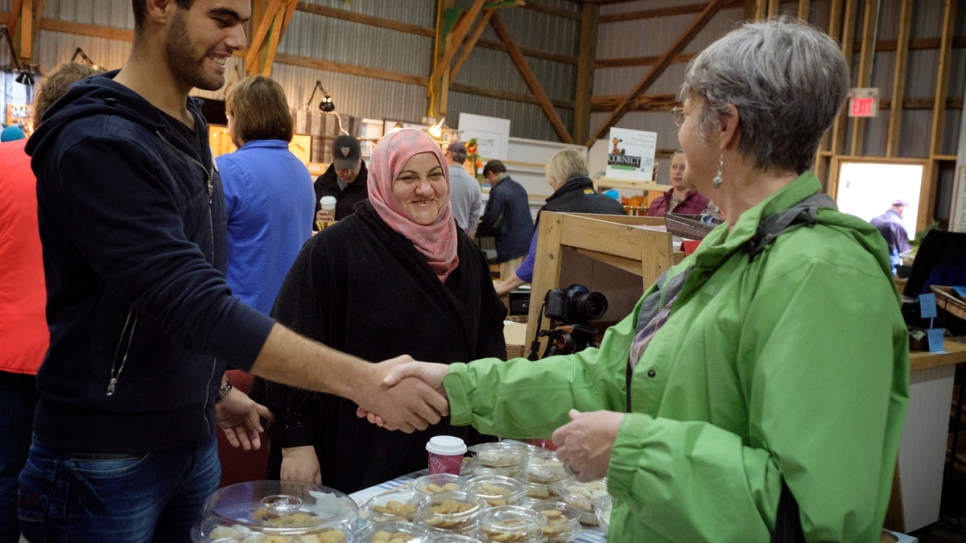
(112,382)
(211,230)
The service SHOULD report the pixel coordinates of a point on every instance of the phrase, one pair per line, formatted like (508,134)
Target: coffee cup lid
(446,445)
(327,200)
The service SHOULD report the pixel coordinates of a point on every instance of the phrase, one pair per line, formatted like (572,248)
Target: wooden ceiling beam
(453,40)
(346,15)
(506,95)
(683,40)
(529,52)
(848,31)
(662,12)
(530,78)
(559,12)
(470,43)
(646,102)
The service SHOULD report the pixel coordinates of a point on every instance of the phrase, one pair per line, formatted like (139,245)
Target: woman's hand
(504,287)
(239,417)
(301,464)
(585,443)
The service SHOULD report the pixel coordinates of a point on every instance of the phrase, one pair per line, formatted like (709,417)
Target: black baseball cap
(346,153)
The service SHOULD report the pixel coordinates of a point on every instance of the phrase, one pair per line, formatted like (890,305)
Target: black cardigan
(362,288)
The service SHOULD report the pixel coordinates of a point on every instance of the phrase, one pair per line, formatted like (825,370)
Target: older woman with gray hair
(757,391)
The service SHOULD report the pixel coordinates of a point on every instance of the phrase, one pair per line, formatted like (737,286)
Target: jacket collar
(265,144)
(573,184)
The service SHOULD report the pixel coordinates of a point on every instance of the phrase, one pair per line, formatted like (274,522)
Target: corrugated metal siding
(311,35)
(114,13)
(526,120)
(417,12)
(54,48)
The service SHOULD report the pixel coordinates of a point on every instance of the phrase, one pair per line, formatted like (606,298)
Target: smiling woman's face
(421,187)
(678,166)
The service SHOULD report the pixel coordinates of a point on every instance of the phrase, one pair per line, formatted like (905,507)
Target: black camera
(576,305)
(572,309)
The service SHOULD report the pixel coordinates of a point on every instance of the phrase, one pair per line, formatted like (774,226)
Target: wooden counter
(955,353)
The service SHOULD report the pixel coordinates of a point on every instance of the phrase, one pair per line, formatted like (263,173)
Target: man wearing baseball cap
(465,192)
(346,180)
(892,229)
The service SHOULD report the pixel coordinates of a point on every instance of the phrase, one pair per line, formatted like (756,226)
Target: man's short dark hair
(140,12)
(260,110)
(457,151)
(55,84)
(494,166)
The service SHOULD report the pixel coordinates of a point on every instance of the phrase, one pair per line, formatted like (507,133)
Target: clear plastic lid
(395,505)
(472,468)
(391,532)
(452,511)
(452,538)
(503,454)
(437,482)
(602,509)
(496,490)
(283,510)
(511,523)
(543,467)
(582,496)
(563,522)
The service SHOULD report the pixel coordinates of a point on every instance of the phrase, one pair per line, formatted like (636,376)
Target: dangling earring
(717,179)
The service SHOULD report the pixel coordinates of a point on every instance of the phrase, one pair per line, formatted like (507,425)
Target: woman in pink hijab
(396,277)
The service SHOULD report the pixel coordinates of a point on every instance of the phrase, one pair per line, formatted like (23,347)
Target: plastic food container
(277,511)
(562,524)
(391,532)
(501,455)
(437,482)
(602,509)
(495,490)
(451,538)
(540,471)
(472,468)
(511,524)
(452,511)
(390,506)
(582,496)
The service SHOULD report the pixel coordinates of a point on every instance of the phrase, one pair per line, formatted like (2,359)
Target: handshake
(410,396)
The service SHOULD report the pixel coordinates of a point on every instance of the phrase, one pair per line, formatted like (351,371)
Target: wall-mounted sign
(630,154)
(864,102)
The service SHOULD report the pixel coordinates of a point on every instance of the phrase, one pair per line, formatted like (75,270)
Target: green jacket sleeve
(524,399)
(824,358)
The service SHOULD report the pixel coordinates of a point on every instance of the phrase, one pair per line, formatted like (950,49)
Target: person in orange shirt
(23,326)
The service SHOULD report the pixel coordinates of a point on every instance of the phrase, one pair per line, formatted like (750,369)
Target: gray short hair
(565,164)
(788,81)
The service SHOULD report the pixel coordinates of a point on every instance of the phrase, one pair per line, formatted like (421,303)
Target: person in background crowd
(506,218)
(715,389)
(573,192)
(142,323)
(893,231)
(23,325)
(680,199)
(430,296)
(11,133)
(268,192)
(465,194)
(345,180)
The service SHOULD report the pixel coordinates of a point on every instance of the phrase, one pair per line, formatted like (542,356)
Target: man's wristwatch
(224,390)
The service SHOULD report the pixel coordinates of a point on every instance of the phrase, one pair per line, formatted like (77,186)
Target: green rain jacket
(793,365)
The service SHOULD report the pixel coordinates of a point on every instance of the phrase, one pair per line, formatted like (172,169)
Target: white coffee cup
(445,454)
(327,203)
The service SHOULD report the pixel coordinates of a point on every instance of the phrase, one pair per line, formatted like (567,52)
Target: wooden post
(530,78)
(803,8)
(470,43)
(864,78)
(942,78)
(848,33)
(585,71)
(452,43)
(546,269)
(899,79)
(773,8)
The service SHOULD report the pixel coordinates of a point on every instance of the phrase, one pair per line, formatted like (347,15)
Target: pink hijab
(436,241)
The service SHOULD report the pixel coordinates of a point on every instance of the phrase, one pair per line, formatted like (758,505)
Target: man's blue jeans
(18,400)
(155,497)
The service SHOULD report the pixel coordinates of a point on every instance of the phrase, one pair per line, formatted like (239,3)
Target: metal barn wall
(494,69)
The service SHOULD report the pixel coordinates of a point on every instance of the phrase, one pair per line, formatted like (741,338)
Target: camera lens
(589,306)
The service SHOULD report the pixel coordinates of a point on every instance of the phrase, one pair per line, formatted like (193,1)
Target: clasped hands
(585,443)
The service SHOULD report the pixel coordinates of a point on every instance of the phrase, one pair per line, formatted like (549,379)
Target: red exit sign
(864,103)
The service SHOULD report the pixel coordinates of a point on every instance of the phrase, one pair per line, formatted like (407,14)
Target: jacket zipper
(112,383)
(211,230)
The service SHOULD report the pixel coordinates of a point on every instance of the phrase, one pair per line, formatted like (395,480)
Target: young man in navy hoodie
(142,323)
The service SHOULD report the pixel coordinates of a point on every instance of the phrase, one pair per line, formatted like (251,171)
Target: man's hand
(586,442)
(430,373)
(323,216)
(238,416)
(410,405)
(301,464)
